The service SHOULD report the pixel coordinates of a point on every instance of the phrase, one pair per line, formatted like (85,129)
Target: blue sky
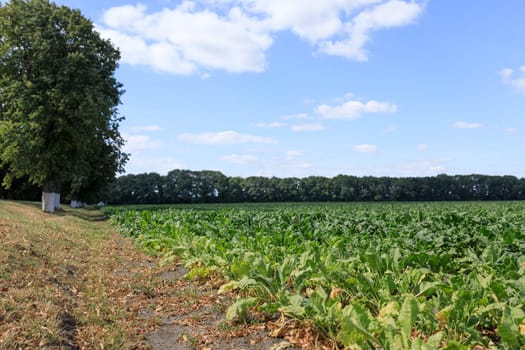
(298,88)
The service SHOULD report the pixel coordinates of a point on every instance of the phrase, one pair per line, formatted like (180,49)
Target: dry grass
(70,283)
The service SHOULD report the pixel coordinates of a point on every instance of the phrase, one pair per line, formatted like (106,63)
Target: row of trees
(186,186)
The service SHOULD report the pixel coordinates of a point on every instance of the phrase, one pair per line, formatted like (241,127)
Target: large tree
(58,99)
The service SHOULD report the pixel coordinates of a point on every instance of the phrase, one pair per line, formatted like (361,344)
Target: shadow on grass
(89,213)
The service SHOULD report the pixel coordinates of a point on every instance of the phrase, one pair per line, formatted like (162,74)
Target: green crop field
(366,276)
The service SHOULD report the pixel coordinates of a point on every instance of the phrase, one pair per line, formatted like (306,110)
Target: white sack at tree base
(76,204)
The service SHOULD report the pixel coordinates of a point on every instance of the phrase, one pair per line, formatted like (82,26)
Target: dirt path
(196,321)
(70,283)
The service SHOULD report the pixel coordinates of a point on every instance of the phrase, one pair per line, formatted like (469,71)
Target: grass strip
(68,282)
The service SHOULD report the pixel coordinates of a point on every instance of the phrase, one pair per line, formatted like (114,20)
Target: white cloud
(394,13)
(422,147)
(422,167)
(506,73)
(390,129)
(465,125)
(307,127)
(304,165)
(300,116)
(517,82)
(137,143)
(124,16)
(234,35)
(183,40)
(292,154)
(160,55)
(354,109)
(270,163)
(322,22)
(240,158)
(285,169)
(312,20)
(222,138)
(145,128)
(162,165)
(365,148)
(270,125)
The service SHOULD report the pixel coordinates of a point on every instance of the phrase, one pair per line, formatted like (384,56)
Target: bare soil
(199,322)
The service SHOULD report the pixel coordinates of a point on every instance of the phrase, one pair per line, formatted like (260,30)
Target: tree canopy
(59,97)
(186,186)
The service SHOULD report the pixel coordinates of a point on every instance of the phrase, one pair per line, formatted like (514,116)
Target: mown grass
(70,283)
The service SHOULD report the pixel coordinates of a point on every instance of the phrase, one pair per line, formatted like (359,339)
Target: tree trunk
(51,196)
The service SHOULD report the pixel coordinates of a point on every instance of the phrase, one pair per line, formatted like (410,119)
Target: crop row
(419,276)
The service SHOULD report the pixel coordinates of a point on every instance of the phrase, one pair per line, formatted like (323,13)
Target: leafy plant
(404,276)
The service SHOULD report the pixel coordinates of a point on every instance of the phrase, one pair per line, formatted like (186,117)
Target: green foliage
(509,330)
(58,116)
(355,325)
(199,273)
(414,276)
(238,311)
(187,186)
(407,318)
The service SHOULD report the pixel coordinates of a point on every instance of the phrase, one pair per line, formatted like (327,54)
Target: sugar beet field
(364,276)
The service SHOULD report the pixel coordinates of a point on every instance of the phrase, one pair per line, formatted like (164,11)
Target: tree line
(186,186)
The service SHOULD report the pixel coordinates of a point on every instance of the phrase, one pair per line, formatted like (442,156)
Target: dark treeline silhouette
(21,189)
(186,186)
